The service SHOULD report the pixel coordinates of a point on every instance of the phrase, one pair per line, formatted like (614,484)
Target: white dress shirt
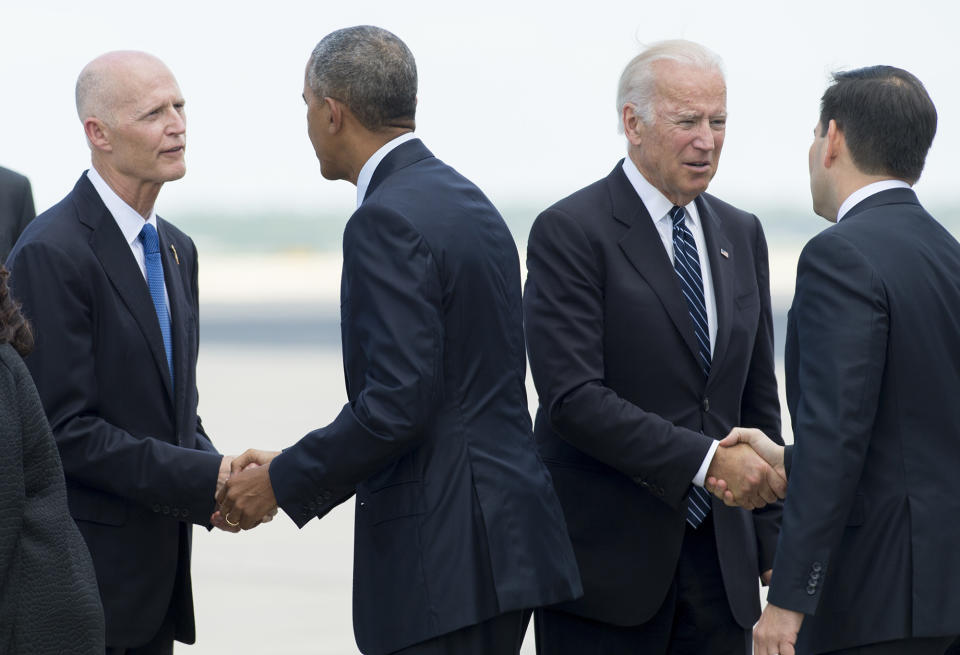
(865,192)
(366,173)
(128,220)
(659,209)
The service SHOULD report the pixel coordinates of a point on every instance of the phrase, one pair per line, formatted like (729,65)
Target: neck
(849,184)
(140,195)
(368,143)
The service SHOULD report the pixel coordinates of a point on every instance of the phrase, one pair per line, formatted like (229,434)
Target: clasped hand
(244,493)
(747,470)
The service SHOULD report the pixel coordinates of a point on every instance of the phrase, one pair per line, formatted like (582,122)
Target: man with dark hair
(650,336)
(458,529)
(16,208)
(869,553)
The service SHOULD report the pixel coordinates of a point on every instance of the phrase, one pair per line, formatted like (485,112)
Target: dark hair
(886,116)
(14,328)
(371,71)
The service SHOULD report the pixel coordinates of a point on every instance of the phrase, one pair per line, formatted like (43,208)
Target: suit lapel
(721,271)
(118,263)
(642,246)
(179,313)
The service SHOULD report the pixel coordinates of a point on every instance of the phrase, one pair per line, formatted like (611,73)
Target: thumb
(733,438)
(241,462)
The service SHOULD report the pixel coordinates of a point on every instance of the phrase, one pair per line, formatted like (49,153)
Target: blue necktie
(686,262)
(151,250)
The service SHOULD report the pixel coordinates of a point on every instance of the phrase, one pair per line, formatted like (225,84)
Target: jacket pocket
(392,502)
(87,505)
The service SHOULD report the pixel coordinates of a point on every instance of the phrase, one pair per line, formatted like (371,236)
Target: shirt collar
(127,218)
(366,173)
(865,192)
(656,203)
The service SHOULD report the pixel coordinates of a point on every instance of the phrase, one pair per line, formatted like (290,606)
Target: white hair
(638,82)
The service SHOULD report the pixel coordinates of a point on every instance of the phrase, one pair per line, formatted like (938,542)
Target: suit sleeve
(95,453)
(564,321)
(760,405)
(393,338)
(842,324)
(27,209)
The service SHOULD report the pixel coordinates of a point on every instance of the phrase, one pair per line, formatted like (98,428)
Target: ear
(96,132)
(337,113)
(836,144)
(633,127)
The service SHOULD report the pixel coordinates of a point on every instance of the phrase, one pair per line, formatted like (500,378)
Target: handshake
(747,470)
(244,494)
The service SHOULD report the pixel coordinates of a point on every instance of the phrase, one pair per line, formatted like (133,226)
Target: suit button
(814,576)
(185,513)
(166,509)
(811,590)
(706,404)
(660,491)
(817,566)
(156,508)
(175,513)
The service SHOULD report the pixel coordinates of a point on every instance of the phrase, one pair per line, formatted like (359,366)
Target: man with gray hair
(649,330)
(458,530)
(111,290)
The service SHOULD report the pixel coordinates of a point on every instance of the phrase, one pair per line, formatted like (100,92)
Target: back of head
(637,85)
(887,119)
(371,71)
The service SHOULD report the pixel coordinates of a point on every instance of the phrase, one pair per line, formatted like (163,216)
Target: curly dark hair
(14,328)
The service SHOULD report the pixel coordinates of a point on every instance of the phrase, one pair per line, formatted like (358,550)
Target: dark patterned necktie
(686,262)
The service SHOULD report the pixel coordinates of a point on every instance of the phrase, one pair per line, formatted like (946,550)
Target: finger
(218,521)
(728,499)
(778,483)
(786,648)
(732,439)
(239,463)
(767,494)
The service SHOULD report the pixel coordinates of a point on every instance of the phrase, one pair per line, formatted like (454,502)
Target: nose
(704,139)
(178,122)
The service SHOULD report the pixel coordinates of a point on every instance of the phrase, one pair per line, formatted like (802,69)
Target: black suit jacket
(626,416)
(138,465)
(456,520)
(870,547)
(16,208)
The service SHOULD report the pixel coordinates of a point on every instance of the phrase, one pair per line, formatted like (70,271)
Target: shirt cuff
(701,475)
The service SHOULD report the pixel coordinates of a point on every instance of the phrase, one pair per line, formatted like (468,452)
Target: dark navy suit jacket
(626,415)
(16,208)
(138,465)
(456,519)
(870,548)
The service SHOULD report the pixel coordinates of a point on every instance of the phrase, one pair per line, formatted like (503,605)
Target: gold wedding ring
(229,522)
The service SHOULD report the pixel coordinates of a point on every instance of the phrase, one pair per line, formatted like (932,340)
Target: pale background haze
(518,96)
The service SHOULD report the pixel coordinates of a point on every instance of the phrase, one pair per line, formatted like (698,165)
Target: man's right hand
(740,476)
(765,447)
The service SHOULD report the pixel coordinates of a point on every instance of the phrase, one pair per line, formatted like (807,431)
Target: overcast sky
(519,96)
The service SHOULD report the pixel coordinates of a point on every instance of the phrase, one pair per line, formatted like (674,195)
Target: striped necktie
(686,262)
(151,251)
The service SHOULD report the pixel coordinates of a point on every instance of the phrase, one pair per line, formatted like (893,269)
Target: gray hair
(370,70)
(638,82)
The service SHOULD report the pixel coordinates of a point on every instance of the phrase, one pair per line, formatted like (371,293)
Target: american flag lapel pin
(176,257)
(723,252)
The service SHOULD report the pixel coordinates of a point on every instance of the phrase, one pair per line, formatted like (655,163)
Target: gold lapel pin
(723,252)
(176,257)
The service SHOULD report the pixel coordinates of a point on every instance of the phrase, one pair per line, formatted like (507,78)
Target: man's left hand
(247,497)
(776,631)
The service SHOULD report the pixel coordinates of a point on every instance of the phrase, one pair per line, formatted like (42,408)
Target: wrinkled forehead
(684,87)
(141,82)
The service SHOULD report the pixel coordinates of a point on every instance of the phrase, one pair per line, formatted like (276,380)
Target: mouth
(176,150)
(699,166)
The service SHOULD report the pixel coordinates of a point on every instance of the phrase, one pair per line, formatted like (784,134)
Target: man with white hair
(111,290)
(649,332)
